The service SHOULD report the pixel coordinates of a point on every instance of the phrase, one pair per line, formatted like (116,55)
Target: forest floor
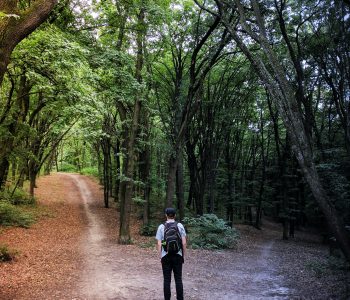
(72,253)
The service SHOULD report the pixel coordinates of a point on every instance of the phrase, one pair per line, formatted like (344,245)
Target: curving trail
(110,271)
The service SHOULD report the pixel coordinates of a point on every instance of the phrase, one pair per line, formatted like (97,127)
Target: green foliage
(66,167)
(334,176)
(17,197)
(210,232)
(11,215)
(90,171)
(138,201)
(149,229)
(7,254)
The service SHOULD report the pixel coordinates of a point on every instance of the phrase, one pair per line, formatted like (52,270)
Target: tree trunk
(145,169)
(32,180)
(263,174)
(106,171)
(110,170)
(13,170)
(171,180)
(180,193)
(199,200)
(116,150)
(212,172)
(285,223)
(230,196)
(190,196)
(13,30)
(127,191)
(230,187)
(4,166)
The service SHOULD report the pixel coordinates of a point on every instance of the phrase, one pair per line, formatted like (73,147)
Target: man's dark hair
(170,212)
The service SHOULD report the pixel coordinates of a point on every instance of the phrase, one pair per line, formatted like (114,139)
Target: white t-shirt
(160,234)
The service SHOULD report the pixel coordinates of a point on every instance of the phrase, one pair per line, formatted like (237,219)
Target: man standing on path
(171,246)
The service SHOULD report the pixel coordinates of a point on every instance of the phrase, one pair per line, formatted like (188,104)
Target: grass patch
(7,254)
(17,197)
(11,215)
(210,232)
(331,265)
(66,167)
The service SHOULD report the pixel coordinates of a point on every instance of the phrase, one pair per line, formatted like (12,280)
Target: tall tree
(192,58)
(127,192)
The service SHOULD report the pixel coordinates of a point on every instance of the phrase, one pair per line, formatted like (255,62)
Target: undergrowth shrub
(7,254)
(91,171)
(331,265)
(66,167)
(149,229)
(17,197)
(10,215)
(210,232)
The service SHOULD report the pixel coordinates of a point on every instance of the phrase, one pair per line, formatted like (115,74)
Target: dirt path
(96,267)
(128,272)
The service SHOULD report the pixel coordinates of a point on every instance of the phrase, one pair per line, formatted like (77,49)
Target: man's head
(170,212)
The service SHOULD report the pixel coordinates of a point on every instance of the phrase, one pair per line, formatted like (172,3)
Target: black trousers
(172,263)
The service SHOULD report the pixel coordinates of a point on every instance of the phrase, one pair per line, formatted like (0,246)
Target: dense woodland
(234,108)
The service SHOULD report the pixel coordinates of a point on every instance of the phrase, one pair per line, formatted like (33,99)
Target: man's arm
(184,243)
(159,248)
(159,238)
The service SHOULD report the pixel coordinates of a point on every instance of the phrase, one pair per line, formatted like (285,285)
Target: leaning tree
(282,74)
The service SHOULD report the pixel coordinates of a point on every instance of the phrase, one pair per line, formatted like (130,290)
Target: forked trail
(112,271)
(99,268)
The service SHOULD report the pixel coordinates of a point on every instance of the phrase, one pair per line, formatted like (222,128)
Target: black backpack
(172,237)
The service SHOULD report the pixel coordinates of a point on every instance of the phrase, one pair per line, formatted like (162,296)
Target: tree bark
(171,180)
(263,174)
(106,170)
(32,180)
(145,169)
(230,188)
(116,150)
(180,193)
(15,29)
